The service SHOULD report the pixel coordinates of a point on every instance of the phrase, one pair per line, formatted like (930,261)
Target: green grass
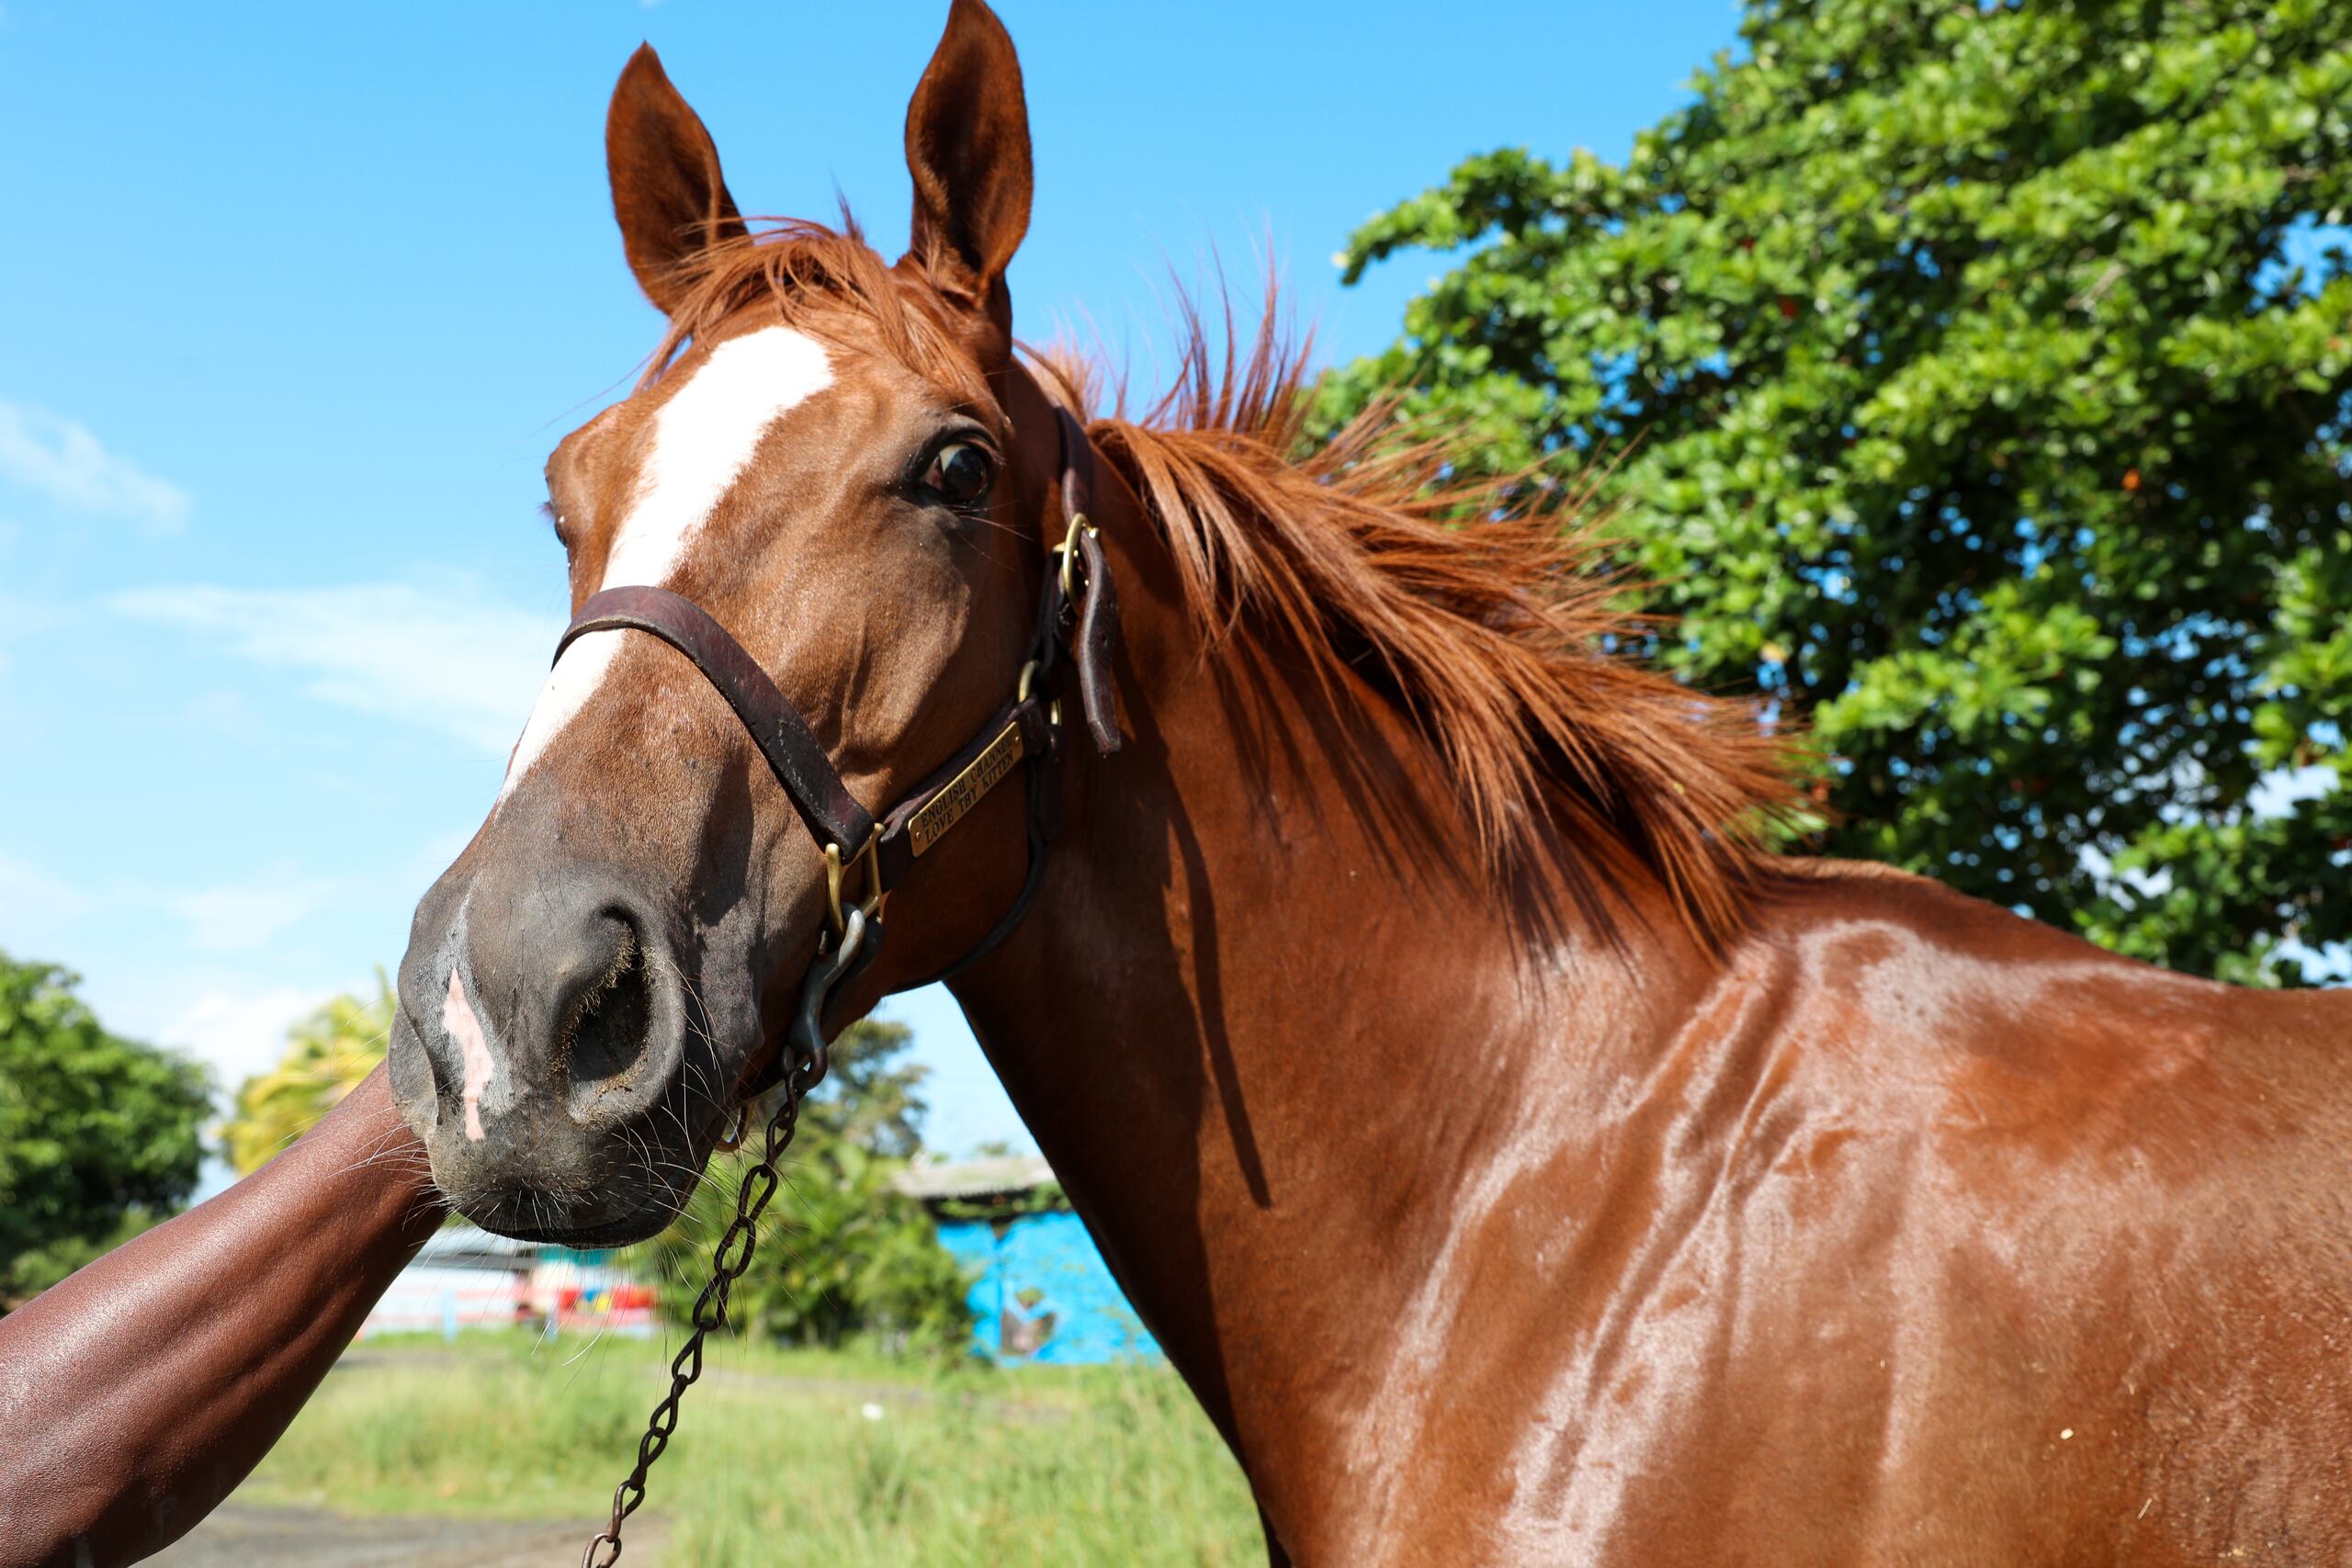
(777,1461)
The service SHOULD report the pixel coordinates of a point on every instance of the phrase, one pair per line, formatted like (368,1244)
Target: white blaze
(703,439)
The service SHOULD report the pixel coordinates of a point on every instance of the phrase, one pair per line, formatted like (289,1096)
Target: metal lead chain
(729,1260)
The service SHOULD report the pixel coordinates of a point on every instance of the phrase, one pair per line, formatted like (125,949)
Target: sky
(294,300)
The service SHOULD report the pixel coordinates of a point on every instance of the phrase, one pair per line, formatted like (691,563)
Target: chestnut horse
(1518,1165)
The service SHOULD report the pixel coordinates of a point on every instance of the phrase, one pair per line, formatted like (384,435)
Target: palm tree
(326,1056)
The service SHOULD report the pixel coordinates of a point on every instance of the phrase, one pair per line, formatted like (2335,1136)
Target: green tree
(841,1251)
(1971,378)
(326,1056)
(98,1135)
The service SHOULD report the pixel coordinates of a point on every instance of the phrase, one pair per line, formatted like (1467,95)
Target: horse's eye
(959,474)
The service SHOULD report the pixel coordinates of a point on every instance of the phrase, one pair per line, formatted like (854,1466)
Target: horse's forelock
(831,285)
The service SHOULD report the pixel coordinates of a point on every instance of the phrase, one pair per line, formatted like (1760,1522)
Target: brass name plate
(963,792)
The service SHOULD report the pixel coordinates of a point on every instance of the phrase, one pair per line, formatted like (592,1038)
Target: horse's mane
(1495,625)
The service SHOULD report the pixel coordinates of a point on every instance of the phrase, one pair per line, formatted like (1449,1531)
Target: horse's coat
(1519,1166)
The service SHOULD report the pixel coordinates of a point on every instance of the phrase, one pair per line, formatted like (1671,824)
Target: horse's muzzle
(541,1052)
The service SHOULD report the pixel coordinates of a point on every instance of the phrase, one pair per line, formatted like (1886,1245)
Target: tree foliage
(326,1056)
(1971,378)
(98,1135)
(843,1252)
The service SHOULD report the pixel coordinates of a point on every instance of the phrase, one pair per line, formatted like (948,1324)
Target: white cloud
(441,655)
(41,914)
(63,460)
(36,910)
(234,1023)
(210,977)
(23,617)
(240,917)
(236,1031)
(226,712)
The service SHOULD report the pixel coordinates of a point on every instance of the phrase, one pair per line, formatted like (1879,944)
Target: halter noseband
(1026,728)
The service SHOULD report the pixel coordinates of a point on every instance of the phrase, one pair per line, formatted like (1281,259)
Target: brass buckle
(1021,695)
(1068,551)
(869,854)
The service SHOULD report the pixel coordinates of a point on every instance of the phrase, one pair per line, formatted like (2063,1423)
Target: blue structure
(1042,1295)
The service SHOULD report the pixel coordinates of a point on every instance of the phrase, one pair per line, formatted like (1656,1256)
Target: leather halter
(1026,728)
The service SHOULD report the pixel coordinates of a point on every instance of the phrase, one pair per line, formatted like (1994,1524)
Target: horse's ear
(967,148)
(667,191)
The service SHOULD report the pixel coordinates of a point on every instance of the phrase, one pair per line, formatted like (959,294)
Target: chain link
(729,1259)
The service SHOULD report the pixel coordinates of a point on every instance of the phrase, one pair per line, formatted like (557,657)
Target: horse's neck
(1262,1028)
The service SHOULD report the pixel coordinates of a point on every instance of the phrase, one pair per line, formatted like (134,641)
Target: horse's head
(840,461)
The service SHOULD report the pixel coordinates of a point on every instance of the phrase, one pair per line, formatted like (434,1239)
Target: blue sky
(294,300)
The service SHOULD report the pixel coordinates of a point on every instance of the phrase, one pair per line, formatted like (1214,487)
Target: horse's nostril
(615,1019)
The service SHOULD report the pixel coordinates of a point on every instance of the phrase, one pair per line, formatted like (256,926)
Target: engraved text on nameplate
(963,792)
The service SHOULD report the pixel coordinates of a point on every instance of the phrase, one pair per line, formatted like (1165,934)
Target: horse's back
(2134,1183)
(2025,1045)
(1966,1241)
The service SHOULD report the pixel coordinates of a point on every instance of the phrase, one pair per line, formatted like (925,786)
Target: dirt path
(240,1535)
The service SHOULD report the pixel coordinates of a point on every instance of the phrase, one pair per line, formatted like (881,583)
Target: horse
(1519,1162)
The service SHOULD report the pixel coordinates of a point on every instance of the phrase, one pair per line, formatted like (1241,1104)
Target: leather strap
(794,754)
(1097,609)
(1098,628)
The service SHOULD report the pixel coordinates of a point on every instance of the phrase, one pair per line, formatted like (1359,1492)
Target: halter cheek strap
(784,738)
(1076,604)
